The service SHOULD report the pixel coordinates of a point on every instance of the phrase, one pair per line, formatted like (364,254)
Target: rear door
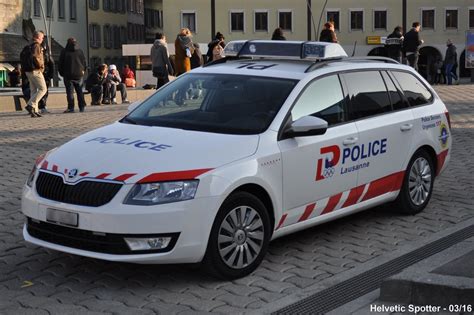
(385,126)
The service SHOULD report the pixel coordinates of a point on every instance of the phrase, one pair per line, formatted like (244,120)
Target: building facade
(64,19)
(361,26)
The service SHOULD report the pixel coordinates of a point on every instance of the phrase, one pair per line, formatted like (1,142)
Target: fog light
(151,243)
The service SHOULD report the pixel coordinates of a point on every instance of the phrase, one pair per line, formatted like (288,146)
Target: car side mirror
(134,105)
(306,126)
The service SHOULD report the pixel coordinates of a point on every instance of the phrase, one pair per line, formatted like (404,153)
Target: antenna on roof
(354,49)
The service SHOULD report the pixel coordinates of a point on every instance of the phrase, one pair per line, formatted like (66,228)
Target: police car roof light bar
(284,49)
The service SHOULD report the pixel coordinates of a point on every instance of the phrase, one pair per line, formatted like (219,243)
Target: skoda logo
(72,173)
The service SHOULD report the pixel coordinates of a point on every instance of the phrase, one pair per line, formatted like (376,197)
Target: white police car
(277,137)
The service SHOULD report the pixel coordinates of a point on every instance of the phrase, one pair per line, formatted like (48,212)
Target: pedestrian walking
(278,34)
(328,34)
(161,65)
(411,45)
(32,62)
(72,67)
(440,77)
(450,61)
(183,51)
(394,44)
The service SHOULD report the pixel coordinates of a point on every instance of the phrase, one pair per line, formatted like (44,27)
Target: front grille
(86,193)
(106,243)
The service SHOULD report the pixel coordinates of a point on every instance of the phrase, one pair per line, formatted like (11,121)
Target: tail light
(448,118)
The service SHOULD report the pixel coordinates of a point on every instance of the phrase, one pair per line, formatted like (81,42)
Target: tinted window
(322,98)
(395,97)
(414,90)
(367,93)
(222,103)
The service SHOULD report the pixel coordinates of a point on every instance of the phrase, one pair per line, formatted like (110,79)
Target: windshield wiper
(128,120)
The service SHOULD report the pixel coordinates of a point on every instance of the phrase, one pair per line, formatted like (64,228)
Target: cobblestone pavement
(39,281)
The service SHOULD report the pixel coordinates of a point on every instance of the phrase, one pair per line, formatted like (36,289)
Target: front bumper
(189,222)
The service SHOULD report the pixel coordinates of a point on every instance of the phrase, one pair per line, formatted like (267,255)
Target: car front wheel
(239,237)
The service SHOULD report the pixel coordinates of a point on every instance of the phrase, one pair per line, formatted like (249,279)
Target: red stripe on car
(103,175)
(441,159)
(84,174)
(282,220)
(354,195)
(384,185)
(307,212)
(178,175)
(124,177)
(332,203)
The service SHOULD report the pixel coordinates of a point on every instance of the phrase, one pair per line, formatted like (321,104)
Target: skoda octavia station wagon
(272,139)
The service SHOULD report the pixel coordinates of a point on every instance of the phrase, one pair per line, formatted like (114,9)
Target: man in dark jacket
(450,60)
(95,82)
(394,44)
(411,45)
(72,66)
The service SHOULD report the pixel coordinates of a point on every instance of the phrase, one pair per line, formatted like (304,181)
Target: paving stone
(293,262)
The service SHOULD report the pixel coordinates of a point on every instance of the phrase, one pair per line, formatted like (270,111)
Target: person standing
(34,73)
(328,34)
(411,45)
(278,34)
(450,60)
(72,66)
(218,39)
(184,49)
(394,44)
(160,61)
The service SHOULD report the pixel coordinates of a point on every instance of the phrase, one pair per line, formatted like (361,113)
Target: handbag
(129,82)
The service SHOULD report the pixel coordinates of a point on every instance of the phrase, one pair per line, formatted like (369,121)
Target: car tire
(417,184)
(239,237)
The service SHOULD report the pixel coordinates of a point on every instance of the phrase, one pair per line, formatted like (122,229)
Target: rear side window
(367,93)
(322,98)
(395,97)
(415,91)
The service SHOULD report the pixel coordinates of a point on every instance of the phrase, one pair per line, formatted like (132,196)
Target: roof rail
(323,63)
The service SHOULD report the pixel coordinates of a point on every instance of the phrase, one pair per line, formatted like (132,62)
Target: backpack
(26,59)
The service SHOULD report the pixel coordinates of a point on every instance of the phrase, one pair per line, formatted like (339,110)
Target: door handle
(406,127)
(350,141)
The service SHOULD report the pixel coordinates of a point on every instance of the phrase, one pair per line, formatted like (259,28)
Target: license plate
(62,217)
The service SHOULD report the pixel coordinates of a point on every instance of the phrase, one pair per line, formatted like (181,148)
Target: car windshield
(220,103)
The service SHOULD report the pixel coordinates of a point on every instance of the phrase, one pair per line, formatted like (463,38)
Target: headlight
(29,181)
(161,192)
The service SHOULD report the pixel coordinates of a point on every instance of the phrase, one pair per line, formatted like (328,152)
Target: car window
(221,103)
(322,98)
(414,90)
(367,93)
(395,97)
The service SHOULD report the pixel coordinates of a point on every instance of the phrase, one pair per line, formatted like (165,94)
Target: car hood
(133,153)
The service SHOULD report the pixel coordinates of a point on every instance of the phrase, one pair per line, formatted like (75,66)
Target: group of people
(188,55)
(407,46)
(37,68)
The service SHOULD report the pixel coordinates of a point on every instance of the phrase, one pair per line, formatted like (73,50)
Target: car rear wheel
(239,237)
(417,185)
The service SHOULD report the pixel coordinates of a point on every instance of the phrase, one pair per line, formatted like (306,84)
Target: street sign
(376,40)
